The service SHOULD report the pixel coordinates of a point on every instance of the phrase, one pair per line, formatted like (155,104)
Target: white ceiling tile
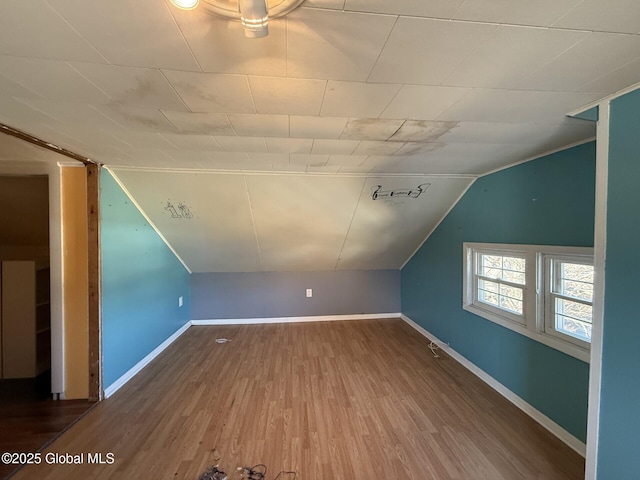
(132,86)
(460,158)
(294,96)
(353,169)
(33,29)
(87,134)
(245,164)
(276,160)
(423,102)
(18,114)
(211,92)
(346,160)
(390,229)
(200,241)
(73,113)
(323,169)
(144,119)
(610,16)
(51,79)
(334,147)
(228,156)
(520,12)
(144,157)
(412,8)
(220,45)
(613,81)
(209,123)
(426,51)
(415,148)
(576,66)
(308,159)
(377,148)
(356,99)
(519,106)
(289,145)
(334,45)
(192,142)
(260,125)
(316,127)
(525,133)
(332,4)
(9,88)
(301,221)
(510,54)
(379,163)
(130,32)
(142,139)
(242,144)
(421,131)
(298,168)
(371,128)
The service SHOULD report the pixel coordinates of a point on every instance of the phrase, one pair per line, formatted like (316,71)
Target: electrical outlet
(180,301)
(309,293)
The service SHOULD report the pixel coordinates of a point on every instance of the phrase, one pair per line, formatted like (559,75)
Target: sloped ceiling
(350,89)
(220,222)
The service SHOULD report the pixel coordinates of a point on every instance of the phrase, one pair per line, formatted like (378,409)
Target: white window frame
(533,323)
(547,308)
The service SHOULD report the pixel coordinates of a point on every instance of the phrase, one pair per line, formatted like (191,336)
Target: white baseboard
(317,318)
(115,386)
(538,416)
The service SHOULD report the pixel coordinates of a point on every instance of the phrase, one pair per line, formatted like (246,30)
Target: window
(569,298)
(543,292)
(499,283)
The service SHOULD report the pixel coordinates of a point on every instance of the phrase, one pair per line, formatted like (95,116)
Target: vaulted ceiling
(277,144)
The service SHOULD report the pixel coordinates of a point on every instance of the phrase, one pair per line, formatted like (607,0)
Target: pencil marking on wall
(179,211)
(378,193)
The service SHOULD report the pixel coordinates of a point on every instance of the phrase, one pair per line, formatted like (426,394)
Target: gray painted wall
(282,294)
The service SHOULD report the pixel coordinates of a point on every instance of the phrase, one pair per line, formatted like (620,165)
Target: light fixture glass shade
(186,4)
(254,17)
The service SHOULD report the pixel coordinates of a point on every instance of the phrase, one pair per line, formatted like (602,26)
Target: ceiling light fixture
(253,14)
(186,4)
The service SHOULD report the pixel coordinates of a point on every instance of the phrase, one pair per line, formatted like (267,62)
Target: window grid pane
(501,296)
(572,281)
(502,267)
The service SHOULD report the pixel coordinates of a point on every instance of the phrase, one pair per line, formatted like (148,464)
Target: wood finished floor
(28,425)
(333,400)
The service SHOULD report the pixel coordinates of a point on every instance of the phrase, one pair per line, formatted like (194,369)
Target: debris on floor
(222,340)
(213,473)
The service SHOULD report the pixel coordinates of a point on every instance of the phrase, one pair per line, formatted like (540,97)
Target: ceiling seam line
(384,45)
(93,47)
(540,67)
(476,22)
(567,12)
(68,63)
(177,94)
(193,55)
(353,215)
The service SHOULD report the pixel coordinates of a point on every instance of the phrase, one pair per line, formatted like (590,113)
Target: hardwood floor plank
(331,400)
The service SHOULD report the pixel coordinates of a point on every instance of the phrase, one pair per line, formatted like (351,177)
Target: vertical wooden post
(95,319)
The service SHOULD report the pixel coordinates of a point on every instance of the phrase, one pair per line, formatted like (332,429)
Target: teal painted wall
(547,201)
(619,440)
(141,282)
